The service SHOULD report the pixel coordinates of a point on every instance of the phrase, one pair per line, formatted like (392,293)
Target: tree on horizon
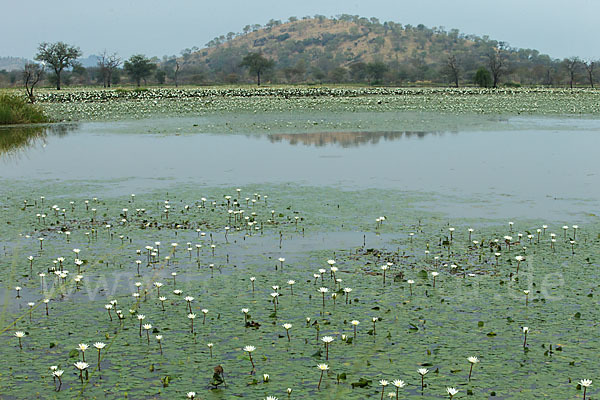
(257,64)
(59,56)
(139,67)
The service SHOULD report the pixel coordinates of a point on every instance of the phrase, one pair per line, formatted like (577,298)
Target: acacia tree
(139,67)
(589,68)
(358,71)
(59,56)
(571,65)
(257,64)
(32,74)
(160,76)
(108,64)
(376,71)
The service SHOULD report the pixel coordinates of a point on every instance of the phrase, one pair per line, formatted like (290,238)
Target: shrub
(16,110)
(512,84)
(483,78)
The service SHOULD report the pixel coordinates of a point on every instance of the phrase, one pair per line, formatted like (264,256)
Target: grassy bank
(15,110)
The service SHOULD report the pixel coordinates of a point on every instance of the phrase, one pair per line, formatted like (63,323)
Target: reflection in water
(15,139)
(345,139)
(463,163)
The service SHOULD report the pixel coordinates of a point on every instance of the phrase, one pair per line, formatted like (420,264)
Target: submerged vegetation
(16,110)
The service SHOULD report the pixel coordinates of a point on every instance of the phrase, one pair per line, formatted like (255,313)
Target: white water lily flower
(399,383)
(80,365)
(585,382)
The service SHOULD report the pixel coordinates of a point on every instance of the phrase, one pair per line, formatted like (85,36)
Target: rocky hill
(341,49)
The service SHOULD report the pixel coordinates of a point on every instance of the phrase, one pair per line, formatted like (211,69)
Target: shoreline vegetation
(92,104)
(122,104)
(16,110)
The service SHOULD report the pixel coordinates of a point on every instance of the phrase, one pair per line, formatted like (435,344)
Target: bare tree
(102,61)
(589,68)
(497,62)
(32,74)
(452,69)
(113,63)
(571,65)
(177,67)
(108,64)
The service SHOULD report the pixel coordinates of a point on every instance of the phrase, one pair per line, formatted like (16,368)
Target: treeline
(143,70)
(314,50)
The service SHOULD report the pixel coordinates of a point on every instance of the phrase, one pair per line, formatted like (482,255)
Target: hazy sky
(165,27)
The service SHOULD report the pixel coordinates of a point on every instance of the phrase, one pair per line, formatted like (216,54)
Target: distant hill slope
(347,40)
(12,63)
(335,50)
(89,61)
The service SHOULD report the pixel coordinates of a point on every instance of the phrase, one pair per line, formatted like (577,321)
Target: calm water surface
(531,172)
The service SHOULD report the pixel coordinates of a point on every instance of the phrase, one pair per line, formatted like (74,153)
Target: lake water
(535,171)
(532,171)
